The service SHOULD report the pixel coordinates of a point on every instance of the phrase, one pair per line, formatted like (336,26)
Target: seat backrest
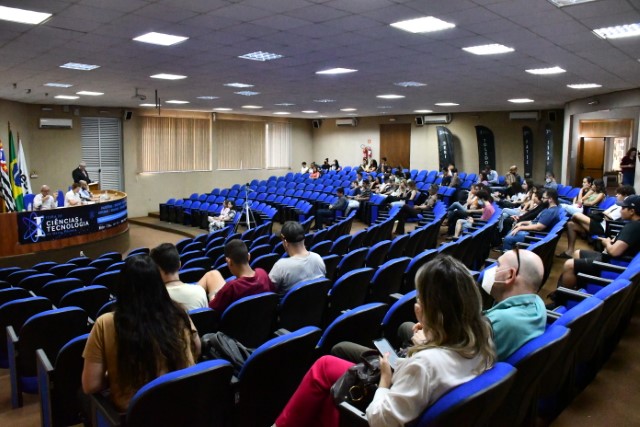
(303,304)
(401,311)
(56,289)
(388,279)
(192,275)
(472,403)
(15,313)
(413,267)
(397,246)
(108,279)
(322,248)
(251,319)
(204,319)
(90,299)
(265,262)
(275,370)
(199,262)
(341,245)
(102,263)
(86,274)
(116,256)
(35,282)
(49,330)
(44,266)
(351,261)
(163,401)
(360,325)
(348,291)
(12,294)
(15,277)
(377,253)
(331,264)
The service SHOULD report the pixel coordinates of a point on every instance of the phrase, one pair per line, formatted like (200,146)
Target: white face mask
(488,279)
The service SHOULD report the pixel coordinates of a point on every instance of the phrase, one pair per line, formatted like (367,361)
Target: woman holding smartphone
(453,346)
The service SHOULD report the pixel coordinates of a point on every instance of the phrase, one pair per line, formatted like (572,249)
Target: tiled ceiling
(314,35)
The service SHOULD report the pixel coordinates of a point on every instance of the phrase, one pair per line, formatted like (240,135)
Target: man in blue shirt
(544,221)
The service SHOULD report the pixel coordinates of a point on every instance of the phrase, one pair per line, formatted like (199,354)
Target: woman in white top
(72,198)
(452,345)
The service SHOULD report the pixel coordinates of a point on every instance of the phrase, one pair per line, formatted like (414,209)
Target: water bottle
(82,254)
(29,207)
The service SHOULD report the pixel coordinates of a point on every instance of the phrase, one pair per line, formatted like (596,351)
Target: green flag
(16,174)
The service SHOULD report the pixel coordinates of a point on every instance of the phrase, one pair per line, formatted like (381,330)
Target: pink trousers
(312,405)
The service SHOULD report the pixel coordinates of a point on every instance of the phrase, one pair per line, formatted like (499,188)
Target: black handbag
(358,385)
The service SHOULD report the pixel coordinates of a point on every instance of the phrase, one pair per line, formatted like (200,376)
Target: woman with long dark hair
(146,336)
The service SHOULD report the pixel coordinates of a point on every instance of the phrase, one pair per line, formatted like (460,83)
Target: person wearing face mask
(550,181)
(519,314)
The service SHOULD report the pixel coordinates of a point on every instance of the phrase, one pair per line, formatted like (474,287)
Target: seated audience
(373,166)
(336,166)
(512,176)
(326,167)
(325,216)
(44,200)
(247,282)
(146,336)
(457,210)
(407,211)
(189,296)
(363,195)
(300,265)
(72,198)
(550,181)
(485,203)
(626,243)
(594,222)
(314,173)
(544,221)
(226,214)
(382,167)
(591,194)
(304,168)
(453,346)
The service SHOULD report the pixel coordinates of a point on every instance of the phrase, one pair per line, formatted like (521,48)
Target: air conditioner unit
(524,115)
(347,122)
(432,119)
(55,124)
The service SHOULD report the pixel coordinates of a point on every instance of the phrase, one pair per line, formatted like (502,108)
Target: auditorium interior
(565,74)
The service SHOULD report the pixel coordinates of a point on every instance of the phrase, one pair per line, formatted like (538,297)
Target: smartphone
(383,347)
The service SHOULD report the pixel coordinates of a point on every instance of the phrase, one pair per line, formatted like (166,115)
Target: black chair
(360,325)
(251,319)
(204,319)
(198,396)
(115,267)
(189,255)
(15,277)
(108,307)
(270,376)
(12,294)
(397,247)
(304,304)
(322,248)
(198,262)
(109,279)
(401,311)
(59,384)
(6,271)
(56,289)
(413,267)
(90,299)
(4,284)
(357,240)
(257,251)
(351,261)
(341,245)
(85,274)
(347,292)
(44,266)
(61,270)
(331,264)
(115,256)
(102,263)
(35,282)
(387,280)
(49,330)
(81,261)
(192,275)
(377,254)
(138,251)
(265,262)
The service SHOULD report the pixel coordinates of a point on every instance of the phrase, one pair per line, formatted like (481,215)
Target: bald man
(519,314)
(45,200)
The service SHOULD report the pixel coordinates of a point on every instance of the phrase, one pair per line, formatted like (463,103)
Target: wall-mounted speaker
(128,114)
(316,124)
(419,121)
(552,116)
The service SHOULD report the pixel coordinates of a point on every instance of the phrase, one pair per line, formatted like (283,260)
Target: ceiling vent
(433,119)
(524,115)
(347,122)
(55,124)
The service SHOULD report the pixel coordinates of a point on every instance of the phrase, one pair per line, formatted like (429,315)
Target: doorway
(590,159)
(395,144)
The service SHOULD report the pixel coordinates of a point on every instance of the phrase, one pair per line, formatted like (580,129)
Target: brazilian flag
(16,175)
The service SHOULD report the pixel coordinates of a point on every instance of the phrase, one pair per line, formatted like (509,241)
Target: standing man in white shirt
(44,200)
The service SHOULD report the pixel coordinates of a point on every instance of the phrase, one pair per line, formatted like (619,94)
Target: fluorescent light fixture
(66,97)
(89,93)
(176,101)
(78,66)
(563,3)
(390,96)
(208,97)
(324,101)
(348,109)
(336,71)
(427,24)
(22,16)
(410,84)
(160,39)
(58,84)
(247,93)
(238,85)
(619,31)
(584,86)
(520,100)
(148,105)
(165,76)
(252,107)
(260,56)
(546,71)
(223,109)
(385,107)
(423,111)
(309,111)
(282,113)
(488,49)
(446,104)
(284,104)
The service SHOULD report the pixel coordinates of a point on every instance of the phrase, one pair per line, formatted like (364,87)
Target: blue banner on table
(548,149)
(486,148)
(61,223)
(445,147)
(527,148)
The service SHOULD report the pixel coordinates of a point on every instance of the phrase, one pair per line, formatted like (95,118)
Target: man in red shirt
(248,281)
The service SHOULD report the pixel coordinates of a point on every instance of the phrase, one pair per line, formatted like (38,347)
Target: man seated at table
(44,200)
(72,198)
(247,282)
(85,194)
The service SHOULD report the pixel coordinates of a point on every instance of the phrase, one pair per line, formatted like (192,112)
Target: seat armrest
(396,296)
(103,413)
(552,316)
(350,416)
(583,278)
(45,382)
(564,294)
(282,331)
(610,267)
(12,355)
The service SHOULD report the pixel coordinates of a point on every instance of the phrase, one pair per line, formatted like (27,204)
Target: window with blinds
(102,150)
(278,145)
(172,144)
(252,145)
